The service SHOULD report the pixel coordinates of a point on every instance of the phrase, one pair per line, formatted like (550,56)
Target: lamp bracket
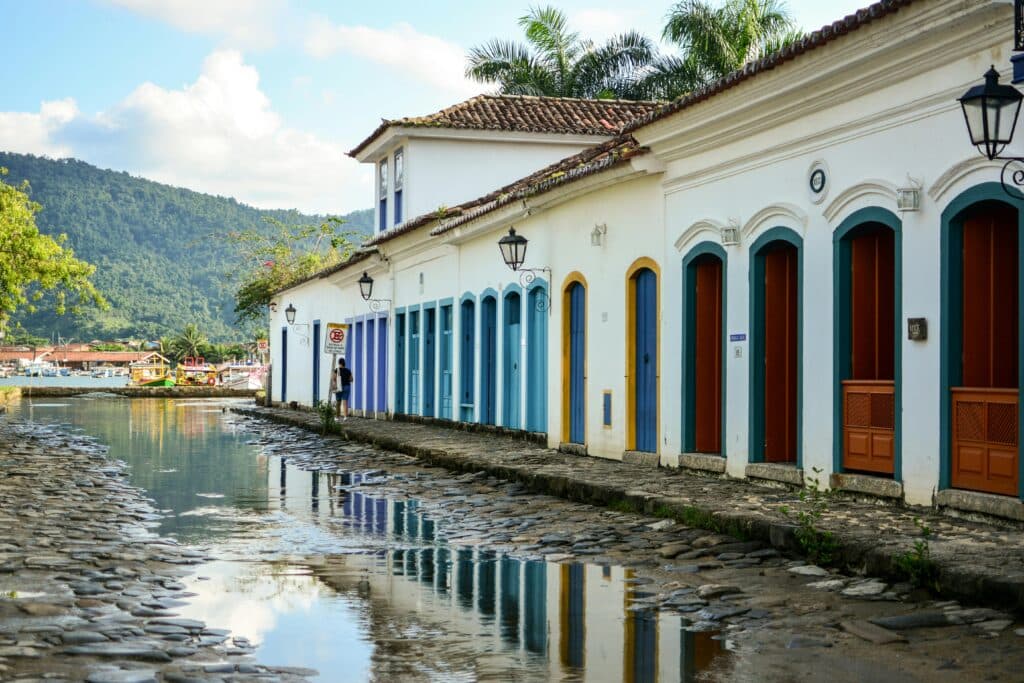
(526,278)
(1012,177)
(378,305)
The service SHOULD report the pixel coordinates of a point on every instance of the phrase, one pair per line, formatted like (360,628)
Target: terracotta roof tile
(526,114)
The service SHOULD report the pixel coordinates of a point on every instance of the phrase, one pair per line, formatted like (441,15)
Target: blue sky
(258,99)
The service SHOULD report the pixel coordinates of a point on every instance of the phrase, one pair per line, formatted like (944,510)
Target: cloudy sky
(258,99)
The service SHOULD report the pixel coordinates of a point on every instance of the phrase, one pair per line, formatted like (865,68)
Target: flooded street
(365,565)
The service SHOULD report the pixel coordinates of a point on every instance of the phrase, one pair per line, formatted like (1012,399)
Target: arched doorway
(512,335)
(775,347)
(983,347)
(537,304)
(574,359)
(488,360)
(703,349)
(642,357)
(467,351)
(867,310)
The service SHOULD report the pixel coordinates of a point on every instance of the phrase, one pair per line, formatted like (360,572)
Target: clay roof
(526,114)
(809,42)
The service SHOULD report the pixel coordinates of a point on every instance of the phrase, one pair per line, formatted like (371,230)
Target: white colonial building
(804,266)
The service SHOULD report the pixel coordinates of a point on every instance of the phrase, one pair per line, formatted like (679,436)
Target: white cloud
(402,48)
(26,132)
(219,134)
(242,23)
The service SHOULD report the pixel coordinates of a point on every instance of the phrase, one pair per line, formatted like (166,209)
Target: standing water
(312,569)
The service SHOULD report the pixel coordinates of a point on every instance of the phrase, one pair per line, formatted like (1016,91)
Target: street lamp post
(366,291)
(513,253)
(990,112)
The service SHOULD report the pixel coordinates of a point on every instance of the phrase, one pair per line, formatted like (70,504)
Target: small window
(399,181)
(382,193)
(606,409)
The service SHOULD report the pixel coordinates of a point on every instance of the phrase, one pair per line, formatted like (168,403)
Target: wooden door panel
(985,440)
(780,353)
(708,356)
(869,426)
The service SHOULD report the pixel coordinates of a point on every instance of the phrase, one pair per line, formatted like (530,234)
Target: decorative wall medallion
(818,182)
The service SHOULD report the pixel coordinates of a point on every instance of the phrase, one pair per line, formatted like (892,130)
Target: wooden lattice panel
(869,438)
(985,433)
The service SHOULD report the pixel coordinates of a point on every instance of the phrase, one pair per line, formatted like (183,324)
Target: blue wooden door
(382,365)
(400,363)
(510,374)
(537,361)
(646,361)
(316,362)
(370,372)
(467,349)
(577,361)
(414,362)
(489,361)
(355,364)
(446,362)
(284,365)
(429,337)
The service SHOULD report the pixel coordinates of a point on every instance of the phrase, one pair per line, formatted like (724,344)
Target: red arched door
(781,265)
(707,367)
(985,429)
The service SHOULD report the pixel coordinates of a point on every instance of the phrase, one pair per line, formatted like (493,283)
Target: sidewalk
(978,562)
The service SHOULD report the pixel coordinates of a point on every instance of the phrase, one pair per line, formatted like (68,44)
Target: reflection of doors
(316,362)
(446,362)
(645,363)
(370,371)
(512,317)
(537,361)
(382,365)
(284,365)
(780,352)
(466,360)
(577,361)
(429,335)
(489,361)
(414,362)
(707,362)
(400,362)
(869,398)
(985,429)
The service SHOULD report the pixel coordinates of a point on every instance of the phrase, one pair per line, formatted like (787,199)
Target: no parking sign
(334,342)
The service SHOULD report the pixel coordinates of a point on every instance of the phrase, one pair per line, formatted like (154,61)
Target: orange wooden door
(780,353)
(869,417)
(985,429)
(708,352)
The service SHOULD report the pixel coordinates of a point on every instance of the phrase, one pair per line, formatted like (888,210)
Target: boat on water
(242,376)
(153,372)
(195,371)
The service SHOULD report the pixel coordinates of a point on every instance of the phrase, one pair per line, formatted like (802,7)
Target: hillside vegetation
(158,250)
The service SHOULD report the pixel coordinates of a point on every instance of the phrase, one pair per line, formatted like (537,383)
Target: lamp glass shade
(289,314)
(513,249)
(366,286)
(991,111)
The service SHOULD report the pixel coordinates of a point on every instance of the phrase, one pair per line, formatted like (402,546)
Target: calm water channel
(357,586)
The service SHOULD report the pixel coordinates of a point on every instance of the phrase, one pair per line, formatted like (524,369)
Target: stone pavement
(975,561)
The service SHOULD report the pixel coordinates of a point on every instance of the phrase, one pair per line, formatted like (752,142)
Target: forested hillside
(159,251)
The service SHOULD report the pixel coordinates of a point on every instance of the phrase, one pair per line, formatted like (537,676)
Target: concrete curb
(957,581)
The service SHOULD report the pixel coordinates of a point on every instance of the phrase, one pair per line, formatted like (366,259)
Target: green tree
(271,262)
(717,40)
(190,342)
(557,62)
(32,263)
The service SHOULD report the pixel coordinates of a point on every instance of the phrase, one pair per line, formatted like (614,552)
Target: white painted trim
(877,192)
(959,172)
(401,134)
(692,233)
(784,215)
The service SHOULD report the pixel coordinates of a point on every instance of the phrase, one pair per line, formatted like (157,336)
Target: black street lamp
(289,314)
(991,111)
(366,286)
(513,249)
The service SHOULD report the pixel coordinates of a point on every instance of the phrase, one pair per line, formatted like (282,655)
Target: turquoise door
(489,361)
(510,374)
(537,361)
(414,362)
(446,362)
(429,337)
(467,323)
(646,361)
(577,361)
(400,363)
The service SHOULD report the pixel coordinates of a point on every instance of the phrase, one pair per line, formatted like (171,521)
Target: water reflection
(319,573)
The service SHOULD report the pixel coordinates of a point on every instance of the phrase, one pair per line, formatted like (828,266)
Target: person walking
(341,385)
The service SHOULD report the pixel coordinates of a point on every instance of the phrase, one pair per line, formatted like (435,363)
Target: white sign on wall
(334,341)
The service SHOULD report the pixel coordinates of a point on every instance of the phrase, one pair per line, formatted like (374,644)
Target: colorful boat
(152,372)
(195,371)
(242,376)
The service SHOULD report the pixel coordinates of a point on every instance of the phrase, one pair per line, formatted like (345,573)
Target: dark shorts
(344,394)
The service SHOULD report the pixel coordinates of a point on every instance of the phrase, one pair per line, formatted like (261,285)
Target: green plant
(917,563)
(819,545)
(326,415)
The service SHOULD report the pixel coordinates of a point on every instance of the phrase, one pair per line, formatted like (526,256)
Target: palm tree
(557,62)
(716,41)
(191,342)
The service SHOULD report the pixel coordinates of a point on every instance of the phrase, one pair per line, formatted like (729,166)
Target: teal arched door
(537,360)
(488,360)
(510,369)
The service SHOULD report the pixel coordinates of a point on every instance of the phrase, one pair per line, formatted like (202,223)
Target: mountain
(156,250)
